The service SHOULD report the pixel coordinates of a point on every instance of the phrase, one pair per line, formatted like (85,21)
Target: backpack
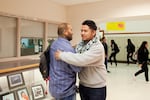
(44,63)
(133,48)
(117,49)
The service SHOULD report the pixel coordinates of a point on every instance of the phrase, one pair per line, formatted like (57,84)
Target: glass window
(7,37)
(31,37)
(31,46)
(31,28)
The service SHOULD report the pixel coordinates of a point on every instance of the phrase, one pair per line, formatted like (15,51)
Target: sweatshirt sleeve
(88,58)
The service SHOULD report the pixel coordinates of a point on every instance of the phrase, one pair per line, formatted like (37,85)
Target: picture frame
(15,80)
(22,94)
(37,92)
(8,96)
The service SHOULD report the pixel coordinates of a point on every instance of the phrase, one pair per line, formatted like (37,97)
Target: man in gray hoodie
(90,56)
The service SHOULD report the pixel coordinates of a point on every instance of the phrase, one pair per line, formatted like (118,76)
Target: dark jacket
(143,55)
(105,48)
(130,48)
(115,48)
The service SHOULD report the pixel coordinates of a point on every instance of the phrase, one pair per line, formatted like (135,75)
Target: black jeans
(144,68)
(130,56)
(106,63)
(87,93)
(114,56)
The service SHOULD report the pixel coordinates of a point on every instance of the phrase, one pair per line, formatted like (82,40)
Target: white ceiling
(74,2)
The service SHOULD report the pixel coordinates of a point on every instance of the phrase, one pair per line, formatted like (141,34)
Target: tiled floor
(121,85)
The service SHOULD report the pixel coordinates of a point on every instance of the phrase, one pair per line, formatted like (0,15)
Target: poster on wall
(115,26)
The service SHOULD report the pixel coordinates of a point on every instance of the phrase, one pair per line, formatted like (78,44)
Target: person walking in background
(90,56)
(115,50)
(103,40)
(62,82)
(142,56)
(130,51)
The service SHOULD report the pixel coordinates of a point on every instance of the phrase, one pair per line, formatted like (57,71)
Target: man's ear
(93,32)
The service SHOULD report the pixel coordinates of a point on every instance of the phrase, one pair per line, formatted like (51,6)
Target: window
(7,37)
(31,37)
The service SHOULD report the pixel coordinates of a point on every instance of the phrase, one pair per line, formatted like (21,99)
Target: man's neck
(63,37)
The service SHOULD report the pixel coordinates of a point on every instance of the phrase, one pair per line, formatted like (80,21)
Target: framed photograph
(23,94)
(37,92)
(15,80)
(8,96)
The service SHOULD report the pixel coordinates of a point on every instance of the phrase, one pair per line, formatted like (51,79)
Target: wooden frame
(37,92)
(8,96)
(15,80)
(22,94)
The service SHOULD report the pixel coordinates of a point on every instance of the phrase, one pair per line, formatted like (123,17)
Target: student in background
(142,56)
(103,40)
(114,51)
(130,51)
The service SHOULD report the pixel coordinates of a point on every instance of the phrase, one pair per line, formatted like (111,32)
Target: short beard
(69,39)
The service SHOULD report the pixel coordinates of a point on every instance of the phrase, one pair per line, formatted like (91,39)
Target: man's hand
(57,54)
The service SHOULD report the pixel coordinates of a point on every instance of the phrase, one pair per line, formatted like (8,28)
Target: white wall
(107,10)
(130,26)
(101,12)
(43,9)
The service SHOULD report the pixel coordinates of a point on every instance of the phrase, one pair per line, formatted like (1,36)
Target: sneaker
(134,77)
(108,71)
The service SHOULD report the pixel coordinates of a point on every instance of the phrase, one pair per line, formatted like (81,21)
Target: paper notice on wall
(115,26)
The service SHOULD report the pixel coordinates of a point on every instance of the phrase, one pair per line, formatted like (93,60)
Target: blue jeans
(87,93)
(71,97)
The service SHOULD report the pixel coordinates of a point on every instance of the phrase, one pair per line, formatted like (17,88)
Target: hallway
(121,84)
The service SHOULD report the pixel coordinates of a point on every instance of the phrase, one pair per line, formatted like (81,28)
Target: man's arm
(88,58)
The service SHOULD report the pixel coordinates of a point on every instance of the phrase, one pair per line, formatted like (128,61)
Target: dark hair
(113,41)
(129,40)
(103,37)
(143,44)
(91,24)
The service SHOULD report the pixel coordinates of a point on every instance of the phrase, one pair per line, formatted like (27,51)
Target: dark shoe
(108,71)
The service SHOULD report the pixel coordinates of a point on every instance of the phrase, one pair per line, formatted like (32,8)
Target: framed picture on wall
(8,96)
(15,80)
(22,94)
(37,92)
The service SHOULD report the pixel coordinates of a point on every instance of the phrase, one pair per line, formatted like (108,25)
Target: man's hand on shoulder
(57,54)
